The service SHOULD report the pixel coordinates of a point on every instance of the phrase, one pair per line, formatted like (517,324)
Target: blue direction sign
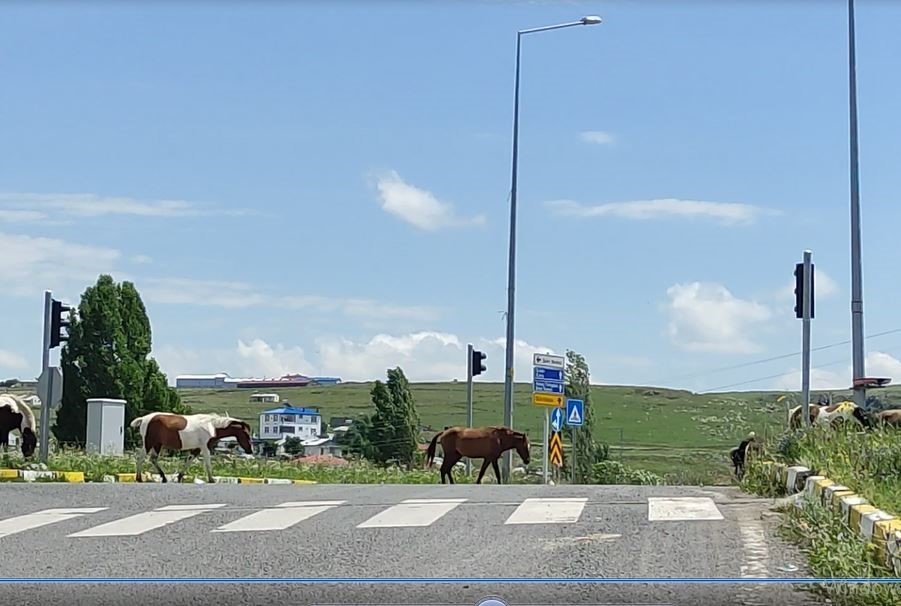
(540,373)
(575,413)
(547,386)
(556,419)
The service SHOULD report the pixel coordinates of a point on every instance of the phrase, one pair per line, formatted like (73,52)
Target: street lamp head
(591,20)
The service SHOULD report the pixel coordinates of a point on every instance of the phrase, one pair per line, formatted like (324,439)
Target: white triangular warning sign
(574,417)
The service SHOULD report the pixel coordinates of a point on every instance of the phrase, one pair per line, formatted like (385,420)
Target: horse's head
(521,443)
(862,416)
(29,442)
(241,431)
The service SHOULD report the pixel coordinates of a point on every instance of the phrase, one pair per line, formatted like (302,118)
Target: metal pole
(48,390)
(507,460)
(469,399)
(547,444)
(573,480)
(805,339)
(857,355)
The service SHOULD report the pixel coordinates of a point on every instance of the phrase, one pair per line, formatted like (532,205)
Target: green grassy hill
(681,435)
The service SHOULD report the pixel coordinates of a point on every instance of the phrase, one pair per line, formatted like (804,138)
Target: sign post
(548,376)
(575,417)
(469,399)
(46,393)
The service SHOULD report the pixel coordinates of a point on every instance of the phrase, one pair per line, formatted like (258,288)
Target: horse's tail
(136,422)
(430,452)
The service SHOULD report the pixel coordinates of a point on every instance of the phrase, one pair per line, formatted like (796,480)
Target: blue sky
(323,187)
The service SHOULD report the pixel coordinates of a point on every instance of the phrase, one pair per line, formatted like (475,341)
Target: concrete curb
(77,477)
(879,528)
(31,475)
(122,478)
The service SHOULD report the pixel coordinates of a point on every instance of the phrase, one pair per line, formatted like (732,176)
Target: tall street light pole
(511,260)
(857,357)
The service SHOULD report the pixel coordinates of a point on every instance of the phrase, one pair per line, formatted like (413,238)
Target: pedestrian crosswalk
(408,513)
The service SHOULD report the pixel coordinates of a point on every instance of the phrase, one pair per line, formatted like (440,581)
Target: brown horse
(486,443)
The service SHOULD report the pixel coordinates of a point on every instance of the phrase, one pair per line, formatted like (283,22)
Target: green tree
(588,451)
(406,420)
(108,356)
(293,446)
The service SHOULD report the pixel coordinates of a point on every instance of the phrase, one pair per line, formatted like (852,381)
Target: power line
(770,359)
(781,374)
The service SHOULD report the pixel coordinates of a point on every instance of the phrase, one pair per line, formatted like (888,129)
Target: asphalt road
(367,533)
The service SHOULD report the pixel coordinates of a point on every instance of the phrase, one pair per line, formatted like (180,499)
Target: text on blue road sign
(548,387)
(547,374)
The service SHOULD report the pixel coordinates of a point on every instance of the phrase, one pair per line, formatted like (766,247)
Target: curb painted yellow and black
(880,528)
(130,477)
(77,477)
(34,475)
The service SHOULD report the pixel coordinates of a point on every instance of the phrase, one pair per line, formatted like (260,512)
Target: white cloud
(726,213)
(12,361)
(240,295)
(29,265)
(598,137)
(878,364)
(424,356)
(38,207)
(706,317)
(418,207)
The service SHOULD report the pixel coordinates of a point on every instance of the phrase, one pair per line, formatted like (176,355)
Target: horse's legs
(139,464)
(497,472)
(207,464)
(485,463)
(154,460)
(447,470)
(191,455)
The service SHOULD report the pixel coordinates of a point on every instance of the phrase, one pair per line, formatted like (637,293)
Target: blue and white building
(290,422)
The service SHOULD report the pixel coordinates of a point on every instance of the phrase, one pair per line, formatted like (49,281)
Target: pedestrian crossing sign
(575,413)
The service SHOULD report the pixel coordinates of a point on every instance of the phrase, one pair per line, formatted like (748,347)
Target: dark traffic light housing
(799,290)
(58,322)
(478,366)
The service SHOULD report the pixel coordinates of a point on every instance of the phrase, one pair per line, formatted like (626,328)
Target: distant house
(265,397)
(290,422)
(217,381)
(326,380)
(335,422)
(321,446)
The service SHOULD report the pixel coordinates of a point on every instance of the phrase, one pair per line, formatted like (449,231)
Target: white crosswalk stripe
(548,511)
(144,522)
(279,518)
(412,512)
(42,518)
(680,509)
(408,513)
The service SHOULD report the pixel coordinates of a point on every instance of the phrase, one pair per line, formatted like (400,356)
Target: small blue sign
(541,373)
(548,387)
(556,419)
(575,413)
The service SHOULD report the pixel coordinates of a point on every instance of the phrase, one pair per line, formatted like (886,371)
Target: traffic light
(58,322)
(799,290)
(478,366)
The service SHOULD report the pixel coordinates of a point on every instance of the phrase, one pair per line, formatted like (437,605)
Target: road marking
(674,509)
(42,518)
(412,512)
(757,554)
(279,517)
(548,511)
(147,521)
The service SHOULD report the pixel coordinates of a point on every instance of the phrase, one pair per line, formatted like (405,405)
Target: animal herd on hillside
(198,434)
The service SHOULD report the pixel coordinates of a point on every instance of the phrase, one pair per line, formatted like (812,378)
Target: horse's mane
(21,407)
(223,421)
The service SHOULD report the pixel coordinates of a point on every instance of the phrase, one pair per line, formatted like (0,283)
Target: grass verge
(834,551)
(352,472)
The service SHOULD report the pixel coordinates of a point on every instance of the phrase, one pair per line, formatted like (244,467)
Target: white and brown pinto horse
(198,434)
(828,414)
(16,415)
